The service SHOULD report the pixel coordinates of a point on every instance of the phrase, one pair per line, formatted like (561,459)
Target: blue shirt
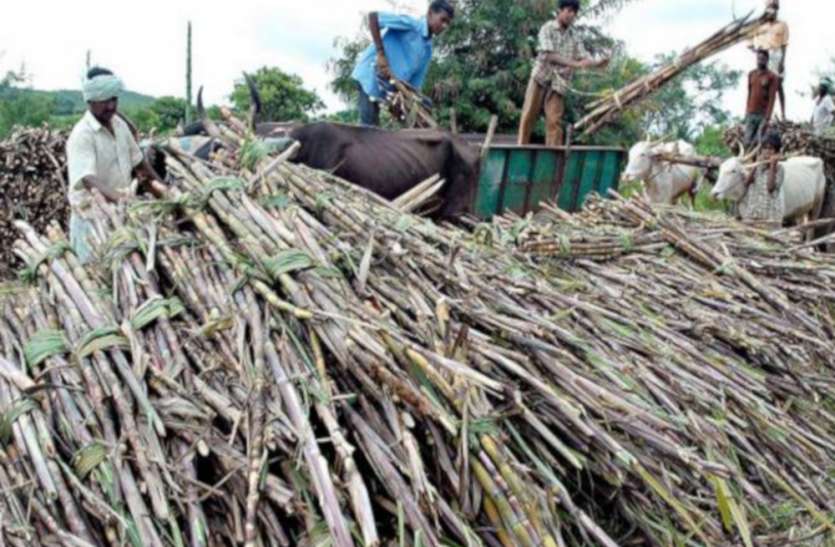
(408,45)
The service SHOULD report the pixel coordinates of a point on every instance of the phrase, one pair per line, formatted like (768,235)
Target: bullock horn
(255,101)
(201,109)
(752,154)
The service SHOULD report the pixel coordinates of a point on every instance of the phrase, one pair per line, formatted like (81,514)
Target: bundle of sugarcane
(703,162)
(605,110)
(32,185)
(272,356)
(408,106)
(797,139)
(709,163)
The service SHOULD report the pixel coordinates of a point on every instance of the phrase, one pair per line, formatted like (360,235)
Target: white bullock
(665,182)
(804,186)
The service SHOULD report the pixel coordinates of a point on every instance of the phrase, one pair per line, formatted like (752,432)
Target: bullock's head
(731,182)
(640,163)
(462,171)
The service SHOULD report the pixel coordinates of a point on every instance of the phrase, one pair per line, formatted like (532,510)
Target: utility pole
(188,75)
(88,60)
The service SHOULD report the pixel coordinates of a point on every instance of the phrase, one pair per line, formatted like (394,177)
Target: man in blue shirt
(403,52)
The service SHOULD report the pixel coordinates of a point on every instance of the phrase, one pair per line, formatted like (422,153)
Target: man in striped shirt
(560,53)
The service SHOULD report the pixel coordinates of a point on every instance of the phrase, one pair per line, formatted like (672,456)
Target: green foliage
(343,116)
(283,96)
(23,106)
(68,102)
(18,106)
(712,143)
(170,111)
(145,119)
(342,66)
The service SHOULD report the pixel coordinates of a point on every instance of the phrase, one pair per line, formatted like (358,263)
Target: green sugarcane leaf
(154,309)
(277,201)
(104,343)
(45,344)
(89,458)
(8,419)
(288,262)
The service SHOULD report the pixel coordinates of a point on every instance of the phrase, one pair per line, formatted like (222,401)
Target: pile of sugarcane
(408,106)
(606,109)
(32,186)
(270,356)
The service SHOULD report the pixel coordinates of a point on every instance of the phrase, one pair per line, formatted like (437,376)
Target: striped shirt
(565,42)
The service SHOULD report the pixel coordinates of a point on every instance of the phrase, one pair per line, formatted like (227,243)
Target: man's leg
(777,66)
(554,110)
(530,111)
(781,94)
(753,122)
(369,110)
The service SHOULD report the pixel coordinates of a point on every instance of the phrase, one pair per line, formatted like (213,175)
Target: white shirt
(93,151)
(822,117)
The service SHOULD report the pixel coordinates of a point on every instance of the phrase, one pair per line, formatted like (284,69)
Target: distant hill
(68,102)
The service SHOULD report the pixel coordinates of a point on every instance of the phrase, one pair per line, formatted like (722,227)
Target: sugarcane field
(435,273)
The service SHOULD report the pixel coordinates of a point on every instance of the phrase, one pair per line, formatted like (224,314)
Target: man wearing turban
(102,155)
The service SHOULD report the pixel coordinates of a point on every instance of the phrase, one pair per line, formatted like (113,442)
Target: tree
(283,96)
(19,105)
(170,112)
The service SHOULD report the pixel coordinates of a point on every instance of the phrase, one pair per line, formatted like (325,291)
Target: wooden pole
(188,113)
(488,140)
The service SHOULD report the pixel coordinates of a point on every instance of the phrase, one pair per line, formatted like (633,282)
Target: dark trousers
(753,129)
(369,110)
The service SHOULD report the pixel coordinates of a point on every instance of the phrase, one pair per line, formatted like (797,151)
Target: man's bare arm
(382,61)
(557,59)
(773,89)
(149,179)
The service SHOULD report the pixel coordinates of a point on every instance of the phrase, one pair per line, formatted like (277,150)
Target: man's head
(772,143)
(567,12)
(762,59)
(772,8)
(101,91)
(824,88)
(441,14)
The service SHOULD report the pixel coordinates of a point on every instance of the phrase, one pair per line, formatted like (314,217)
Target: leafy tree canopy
(283,96)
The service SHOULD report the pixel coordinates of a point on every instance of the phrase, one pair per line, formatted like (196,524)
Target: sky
(145,44)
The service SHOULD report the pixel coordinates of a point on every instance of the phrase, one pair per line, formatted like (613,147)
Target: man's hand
(383,67)
(93,183)
(593,63)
